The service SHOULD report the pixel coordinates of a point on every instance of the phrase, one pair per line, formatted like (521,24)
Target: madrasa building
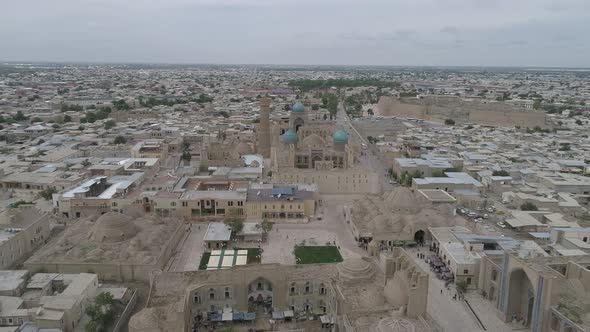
(309,148)
(359,294)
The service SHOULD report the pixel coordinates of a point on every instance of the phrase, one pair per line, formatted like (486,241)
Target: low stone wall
(126,314)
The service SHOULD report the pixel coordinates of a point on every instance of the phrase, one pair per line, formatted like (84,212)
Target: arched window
(494,275)
(322,289)
(197,298)
(211,294)
(308,288)
(293,289)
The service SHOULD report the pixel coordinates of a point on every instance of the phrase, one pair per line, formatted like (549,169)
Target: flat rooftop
(217,231)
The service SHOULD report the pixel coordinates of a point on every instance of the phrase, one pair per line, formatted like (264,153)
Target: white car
(485,216)
(501,224)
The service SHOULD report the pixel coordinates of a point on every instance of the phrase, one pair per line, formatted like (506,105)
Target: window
(469,281)
(307,287)
(322,289)
(184,203)
(197,298)
(211,294)
(227,293)
(465,271)
(585,239)
(494,275)
(293,289)
(172,203)
(259,285)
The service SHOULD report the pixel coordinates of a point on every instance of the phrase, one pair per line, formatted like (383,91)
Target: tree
(47,194)
(537,104)
(20,116)
(104,298)
(579,122)
(67,118)
(528,206)
(461,286)
(450,122)
(36,119)
(120,140)
(234,220)
(186,155)
(315,107)
(90,117)
(265,226)
(224,114)
(121,105)
(109,124)
(100,313)
(81,128)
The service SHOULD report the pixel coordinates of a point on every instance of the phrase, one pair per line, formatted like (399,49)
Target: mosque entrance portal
(260,294)
(419,237)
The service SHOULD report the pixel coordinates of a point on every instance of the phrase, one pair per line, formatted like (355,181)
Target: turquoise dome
(290,137)
(340,136)
(298,108)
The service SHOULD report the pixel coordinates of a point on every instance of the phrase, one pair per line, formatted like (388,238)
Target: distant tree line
(307,85)
(152,101)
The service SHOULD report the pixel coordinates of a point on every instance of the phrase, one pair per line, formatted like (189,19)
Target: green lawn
(317,254)
(204,261)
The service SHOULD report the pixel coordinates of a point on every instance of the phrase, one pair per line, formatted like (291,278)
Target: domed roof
(243,148)
(298,108)
(113,227)
(290,137)
(340,136)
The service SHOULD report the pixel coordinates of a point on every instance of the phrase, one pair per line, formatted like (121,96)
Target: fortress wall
(438,109)
(389,106)
(508,118)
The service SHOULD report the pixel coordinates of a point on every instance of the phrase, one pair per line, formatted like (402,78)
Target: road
(371,157)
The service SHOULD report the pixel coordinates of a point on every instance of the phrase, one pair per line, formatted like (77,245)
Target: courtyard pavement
(189,250)
(454,315)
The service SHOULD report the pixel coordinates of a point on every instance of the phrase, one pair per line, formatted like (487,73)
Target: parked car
(486,216)
(501,224)
(490,210)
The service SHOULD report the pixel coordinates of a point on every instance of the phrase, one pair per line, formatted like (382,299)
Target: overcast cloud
(356,32)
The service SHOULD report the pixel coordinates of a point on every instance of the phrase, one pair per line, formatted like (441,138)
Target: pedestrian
(441,290)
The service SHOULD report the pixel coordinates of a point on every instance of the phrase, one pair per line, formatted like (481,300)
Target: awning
(278,315)
(227,317)
(288,313)
(325,319)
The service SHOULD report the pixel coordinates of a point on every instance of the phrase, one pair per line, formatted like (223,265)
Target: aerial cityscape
(358,189)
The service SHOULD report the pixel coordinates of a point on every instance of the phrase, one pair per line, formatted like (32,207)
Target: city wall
(440,108)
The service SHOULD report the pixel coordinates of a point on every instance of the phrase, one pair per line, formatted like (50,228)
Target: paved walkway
(189,251)
(454,315)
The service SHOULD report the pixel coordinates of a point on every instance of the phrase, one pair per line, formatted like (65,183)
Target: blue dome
(290,137)
(298,108)
(340,136)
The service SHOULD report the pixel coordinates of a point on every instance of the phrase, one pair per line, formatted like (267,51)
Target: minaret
(264,128)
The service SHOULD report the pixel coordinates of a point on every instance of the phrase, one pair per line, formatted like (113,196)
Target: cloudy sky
(356,32)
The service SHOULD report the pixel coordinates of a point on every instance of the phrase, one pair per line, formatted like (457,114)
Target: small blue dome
(298,108)
(290,137)
(340,136)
